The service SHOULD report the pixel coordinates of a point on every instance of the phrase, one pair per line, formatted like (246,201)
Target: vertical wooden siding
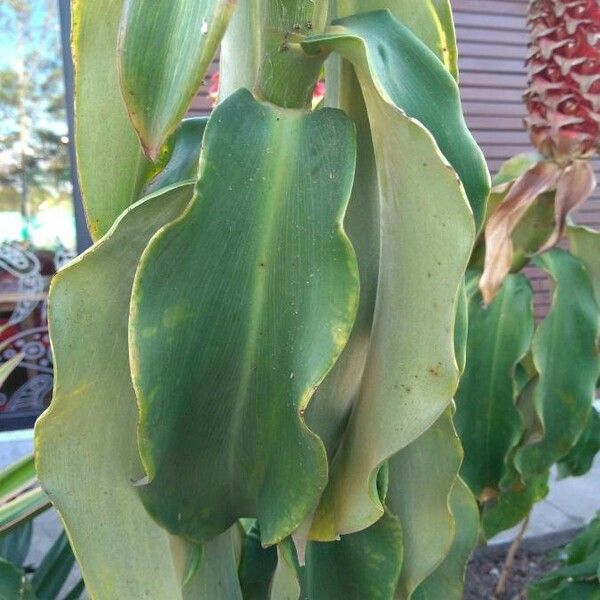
(492,40)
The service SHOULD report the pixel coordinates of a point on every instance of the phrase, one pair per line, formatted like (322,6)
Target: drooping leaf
(447,581)
(565,354)
(486,418)
(513,504)
(575,185)
(52,572)
(102,127)
(508,505)
(430,20)
(261,298)
(360,565)
(581,457)
(328,411)
(393,60)
(87,469)
(421,478)
(539,179)
(426,240)
(164,52)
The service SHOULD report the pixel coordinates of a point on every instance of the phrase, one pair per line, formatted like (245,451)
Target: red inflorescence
(563,95)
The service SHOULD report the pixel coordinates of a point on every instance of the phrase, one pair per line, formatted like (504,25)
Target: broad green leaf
(421,478)
(447,581)
(16,476)
(425,244)
(262,295)
(52,572)
(164,52)
(430,20)
(360,565)
(6,368)
(14,546)
(13,583)
(486,418)
(183,149)
(328,411)
(581,457)
(23,508)
(394,62)
(566,356)
(111,165)
(88,469)
(461,328)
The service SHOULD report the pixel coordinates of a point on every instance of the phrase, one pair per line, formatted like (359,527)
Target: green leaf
(217,575)
(6,368)
(387,54)
(425,244)
(256,566)
(262,295)
(23,508)
(286,579)
(508,506)
(164,53)
(360,565)
(88,468)
(13,583)
(75,592)
(577,578)
(447,581)
(328,411)
(102,127)
(421,478)
(486,418)
(430,20)
(566,357)
(17,476)
(52,572)
(183,148)
(585,244)
(14,546)
(581,457)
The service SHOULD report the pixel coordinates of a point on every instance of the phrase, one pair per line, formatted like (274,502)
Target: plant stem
(510,558)
(287,74)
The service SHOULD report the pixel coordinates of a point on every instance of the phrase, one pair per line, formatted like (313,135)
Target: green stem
(287,74)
